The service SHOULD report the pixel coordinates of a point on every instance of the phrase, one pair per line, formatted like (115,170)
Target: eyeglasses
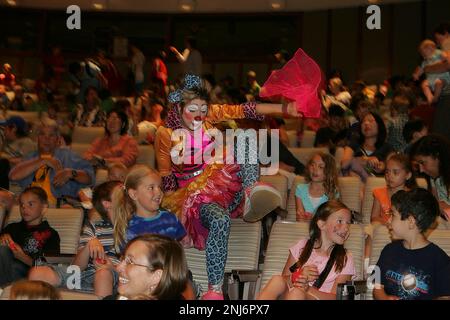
(127,260)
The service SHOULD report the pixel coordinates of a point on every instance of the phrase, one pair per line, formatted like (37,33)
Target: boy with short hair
(96,255)
(412,268)
(23,242)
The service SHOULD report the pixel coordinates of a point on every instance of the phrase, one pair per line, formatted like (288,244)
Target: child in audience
(413,131)
(321,186)
(137,208)
(316,265)
(435,82)
(412,268)
(24,243)
(96,255)
(399,117)
(399,176)
(33,290)
(116,172)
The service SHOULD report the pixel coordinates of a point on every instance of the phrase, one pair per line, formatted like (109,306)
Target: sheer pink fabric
(300,80)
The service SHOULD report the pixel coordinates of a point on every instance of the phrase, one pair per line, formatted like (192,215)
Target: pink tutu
(299,80)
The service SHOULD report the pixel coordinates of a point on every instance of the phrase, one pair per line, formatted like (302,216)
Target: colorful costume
(205,195)
(197,184)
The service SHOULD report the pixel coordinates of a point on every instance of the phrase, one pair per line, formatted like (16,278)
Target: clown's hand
(290,109)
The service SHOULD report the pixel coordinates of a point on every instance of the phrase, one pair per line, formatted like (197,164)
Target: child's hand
(103,263)
(373,162)
(5,239)
(392,298)
(301,282)
(96,250)
(310,273)
(18,252)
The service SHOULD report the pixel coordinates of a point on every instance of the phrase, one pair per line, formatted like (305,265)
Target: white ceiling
(202,6)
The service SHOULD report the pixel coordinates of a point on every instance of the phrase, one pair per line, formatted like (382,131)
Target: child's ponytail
(123,208)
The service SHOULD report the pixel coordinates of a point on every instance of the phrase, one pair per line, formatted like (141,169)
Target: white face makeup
(195,113)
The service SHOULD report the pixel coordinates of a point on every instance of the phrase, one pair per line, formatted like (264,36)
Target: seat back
(243,251)
(101,175)
(87,134)
(367,203)
(350,191)
(308,139)
(286,234)
(80,148)
(67,222)
(304,154)
(292,136)
(146,155)
(291,207)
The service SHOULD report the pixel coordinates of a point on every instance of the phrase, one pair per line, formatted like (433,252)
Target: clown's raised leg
(260,198)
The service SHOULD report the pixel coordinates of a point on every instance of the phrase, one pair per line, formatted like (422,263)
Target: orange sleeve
(223,112)
(163,145)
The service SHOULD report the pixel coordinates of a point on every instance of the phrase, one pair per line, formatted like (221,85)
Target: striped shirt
(104,232)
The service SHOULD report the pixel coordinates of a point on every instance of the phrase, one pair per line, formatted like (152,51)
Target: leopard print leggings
(217,220)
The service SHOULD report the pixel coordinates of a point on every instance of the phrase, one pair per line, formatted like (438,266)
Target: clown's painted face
(194,113)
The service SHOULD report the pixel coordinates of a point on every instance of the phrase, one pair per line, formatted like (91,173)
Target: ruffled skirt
(219,183)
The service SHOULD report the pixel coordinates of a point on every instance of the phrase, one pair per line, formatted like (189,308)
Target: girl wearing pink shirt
(316,265)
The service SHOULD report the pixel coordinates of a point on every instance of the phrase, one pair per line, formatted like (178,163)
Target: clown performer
(206,195)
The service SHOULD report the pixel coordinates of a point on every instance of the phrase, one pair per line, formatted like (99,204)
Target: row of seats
(244,245)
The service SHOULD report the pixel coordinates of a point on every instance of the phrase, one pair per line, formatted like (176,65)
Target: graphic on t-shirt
(36,242)
(408,282)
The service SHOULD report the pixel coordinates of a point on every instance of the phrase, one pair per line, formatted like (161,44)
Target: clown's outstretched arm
(274,108)
(249,110)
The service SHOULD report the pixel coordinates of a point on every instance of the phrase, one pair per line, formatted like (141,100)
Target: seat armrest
(241,284)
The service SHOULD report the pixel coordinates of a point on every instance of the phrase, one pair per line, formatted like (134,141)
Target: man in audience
(59,171)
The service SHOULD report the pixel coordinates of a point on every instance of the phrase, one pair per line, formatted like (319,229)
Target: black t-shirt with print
(34,240)
(414,274)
